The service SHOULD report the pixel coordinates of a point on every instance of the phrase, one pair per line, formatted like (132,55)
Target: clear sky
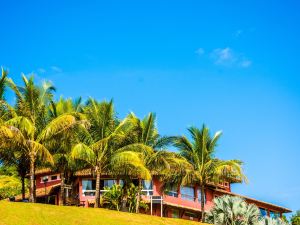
(233,65)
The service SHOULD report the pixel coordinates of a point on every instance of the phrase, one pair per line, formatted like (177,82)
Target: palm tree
(145,140)
(3,83)
(200,153)
(29,127)
(231,210)
(61,145)
(101,140)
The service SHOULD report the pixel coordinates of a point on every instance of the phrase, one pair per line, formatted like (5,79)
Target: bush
(232,210)
(9,186)
(271,221)
(113,196)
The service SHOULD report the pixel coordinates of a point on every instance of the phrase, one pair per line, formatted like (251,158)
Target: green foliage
(205,168)
(229,210)
(295,220)
(9,186)
(113,197)
(116,196)
(271,221)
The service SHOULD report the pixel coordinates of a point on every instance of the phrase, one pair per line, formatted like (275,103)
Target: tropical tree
(295,220)
(3,84)
(143,138)
(62,144)
(29,127)
(200,153)
(101,142)
(231,210)
(113,197)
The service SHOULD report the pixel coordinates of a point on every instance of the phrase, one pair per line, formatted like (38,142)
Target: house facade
(177,202)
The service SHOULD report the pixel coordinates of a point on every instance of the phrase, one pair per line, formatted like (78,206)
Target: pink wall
(40,184)
(179,201)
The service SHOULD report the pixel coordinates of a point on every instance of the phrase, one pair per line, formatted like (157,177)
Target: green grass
(14,213)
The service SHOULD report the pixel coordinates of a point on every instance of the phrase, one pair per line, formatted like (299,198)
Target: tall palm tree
(30,127)
(101,140)
(61,145)
(200,153)
(11,157)
(146,141)
(3,83)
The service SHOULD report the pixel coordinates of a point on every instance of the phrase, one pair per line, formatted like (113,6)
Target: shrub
(271,221)
(234,211)
(9,186)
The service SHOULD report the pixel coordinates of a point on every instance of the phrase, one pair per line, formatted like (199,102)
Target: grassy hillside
(39,214)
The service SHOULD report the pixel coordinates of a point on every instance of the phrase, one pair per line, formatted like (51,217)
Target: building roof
(282,209)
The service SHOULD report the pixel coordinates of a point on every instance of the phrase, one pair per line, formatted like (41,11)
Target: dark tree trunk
(32,181)
(202,204)
(97,196)
(62,189)
(23,186)
(138,197)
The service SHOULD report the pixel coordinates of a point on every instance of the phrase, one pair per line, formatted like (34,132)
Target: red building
(178,202)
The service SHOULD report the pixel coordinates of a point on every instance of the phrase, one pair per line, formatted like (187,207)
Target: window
(44,179)
(88,187)
(190,215)
(199,195)
(274,214)
(175,213)
(172,191)
(49,178)
(263,212)
(187,193)
(54,177)
(147,187)
(106,184)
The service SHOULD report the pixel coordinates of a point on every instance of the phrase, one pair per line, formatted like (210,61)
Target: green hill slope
(39,214)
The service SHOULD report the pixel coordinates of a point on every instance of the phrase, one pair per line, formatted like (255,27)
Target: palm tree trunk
(138,197)
(62,189)
(32,182)
(23,187)
(202,204)
(97,196)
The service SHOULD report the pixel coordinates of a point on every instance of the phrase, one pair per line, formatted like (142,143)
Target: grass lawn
(13,213)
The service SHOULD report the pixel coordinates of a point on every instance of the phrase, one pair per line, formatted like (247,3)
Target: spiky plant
(271,221)
(230,210)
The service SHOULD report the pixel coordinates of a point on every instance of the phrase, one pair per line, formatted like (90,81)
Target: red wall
(40,184)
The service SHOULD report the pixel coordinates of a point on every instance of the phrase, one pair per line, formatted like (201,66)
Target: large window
(88,187)
(147,187)
(263,212)
(106,184)
(172,191)
(274,214)
(199,195)
(187,193)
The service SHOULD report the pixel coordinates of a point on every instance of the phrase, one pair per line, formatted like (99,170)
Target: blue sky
(232,65)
